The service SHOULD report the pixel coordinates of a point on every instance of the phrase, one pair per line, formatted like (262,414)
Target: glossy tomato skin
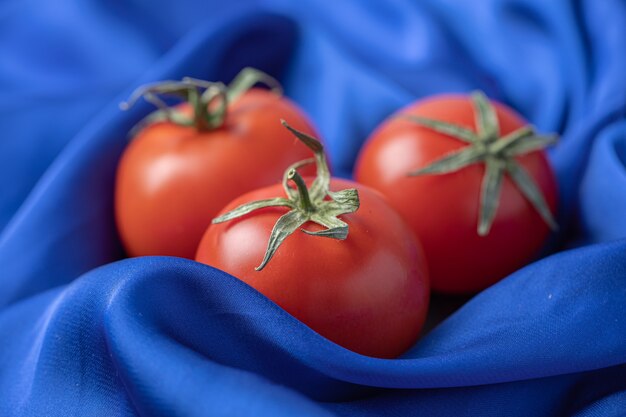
(443,210)
(368,293)
(172,180)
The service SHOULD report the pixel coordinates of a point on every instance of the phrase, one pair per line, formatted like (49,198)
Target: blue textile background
(85,333)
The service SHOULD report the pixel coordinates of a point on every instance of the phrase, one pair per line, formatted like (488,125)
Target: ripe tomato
(368,293)
(173,178)
(475,228)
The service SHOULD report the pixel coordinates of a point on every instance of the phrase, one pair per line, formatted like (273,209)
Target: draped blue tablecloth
(84,332)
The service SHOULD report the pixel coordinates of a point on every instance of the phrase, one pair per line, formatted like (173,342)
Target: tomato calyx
(208,100)
(498,153)
(315,204)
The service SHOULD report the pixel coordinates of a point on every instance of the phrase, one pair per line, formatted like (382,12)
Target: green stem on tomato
(497,153)
(315,204)
(201,96)
(305,200)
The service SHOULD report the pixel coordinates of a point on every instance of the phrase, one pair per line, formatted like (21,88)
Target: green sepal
(319,188)
(490,194)
(285,226)
(452,162)
(448,129)
(248,78)
(530,190)
(248,208)
(345,201)
(336,228)
(531,144)
(485,117)
(161,116)
(511,140)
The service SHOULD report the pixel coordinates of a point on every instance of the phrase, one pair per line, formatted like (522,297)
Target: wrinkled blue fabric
(84,332)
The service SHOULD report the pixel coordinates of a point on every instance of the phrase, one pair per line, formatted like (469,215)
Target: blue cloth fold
(85,333)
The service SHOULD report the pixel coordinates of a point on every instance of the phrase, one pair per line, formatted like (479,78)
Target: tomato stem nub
(305,200)
(306,204)
(209,100)
(497,153)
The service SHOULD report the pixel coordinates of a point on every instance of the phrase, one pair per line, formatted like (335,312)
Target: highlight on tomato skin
(359,280)
(472,180)
(185,163)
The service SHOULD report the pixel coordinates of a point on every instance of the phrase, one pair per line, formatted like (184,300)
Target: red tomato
(368,293)
(443,210)
(173,179)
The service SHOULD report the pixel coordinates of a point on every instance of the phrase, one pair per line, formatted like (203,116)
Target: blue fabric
(83,332)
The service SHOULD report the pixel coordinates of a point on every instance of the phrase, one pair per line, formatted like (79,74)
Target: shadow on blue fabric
(84,332)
